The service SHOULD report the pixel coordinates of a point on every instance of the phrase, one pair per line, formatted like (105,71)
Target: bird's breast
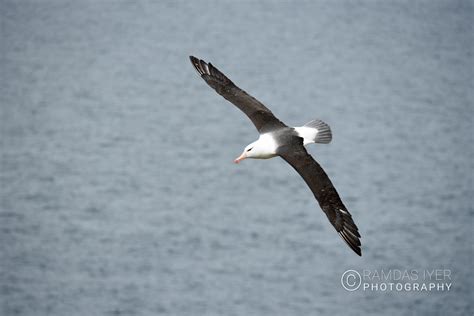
(266,146)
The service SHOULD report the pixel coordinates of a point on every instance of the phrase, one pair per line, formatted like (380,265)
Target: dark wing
(323,190)
(259,114)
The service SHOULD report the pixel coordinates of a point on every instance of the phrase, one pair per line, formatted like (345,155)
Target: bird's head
(249,152)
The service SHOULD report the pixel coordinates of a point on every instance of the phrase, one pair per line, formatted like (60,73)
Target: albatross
(278,139)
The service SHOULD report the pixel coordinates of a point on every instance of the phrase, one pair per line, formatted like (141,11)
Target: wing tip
(200,65)
(348,230)
(207,70)
(352,241)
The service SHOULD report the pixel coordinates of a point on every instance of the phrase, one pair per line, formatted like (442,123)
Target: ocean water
(118,191)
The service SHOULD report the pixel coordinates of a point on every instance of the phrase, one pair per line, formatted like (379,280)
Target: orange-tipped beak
(240,158)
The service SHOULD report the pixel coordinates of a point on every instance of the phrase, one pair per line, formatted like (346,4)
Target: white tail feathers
(315,131)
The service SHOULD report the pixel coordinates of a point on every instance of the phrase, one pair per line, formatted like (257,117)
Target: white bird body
(265,147)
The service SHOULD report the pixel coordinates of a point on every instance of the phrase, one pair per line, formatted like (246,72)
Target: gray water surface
(118,192)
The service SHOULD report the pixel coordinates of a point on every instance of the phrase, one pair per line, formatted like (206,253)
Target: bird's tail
(315,131)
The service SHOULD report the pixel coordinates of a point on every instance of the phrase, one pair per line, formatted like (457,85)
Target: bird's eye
(249,149)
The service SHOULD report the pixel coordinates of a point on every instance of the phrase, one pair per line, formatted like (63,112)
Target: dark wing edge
(325,193)
(259,114)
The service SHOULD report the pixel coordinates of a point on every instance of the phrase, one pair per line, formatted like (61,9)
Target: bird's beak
(240,158)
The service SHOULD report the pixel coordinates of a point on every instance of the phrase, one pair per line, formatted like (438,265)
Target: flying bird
(278,139)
